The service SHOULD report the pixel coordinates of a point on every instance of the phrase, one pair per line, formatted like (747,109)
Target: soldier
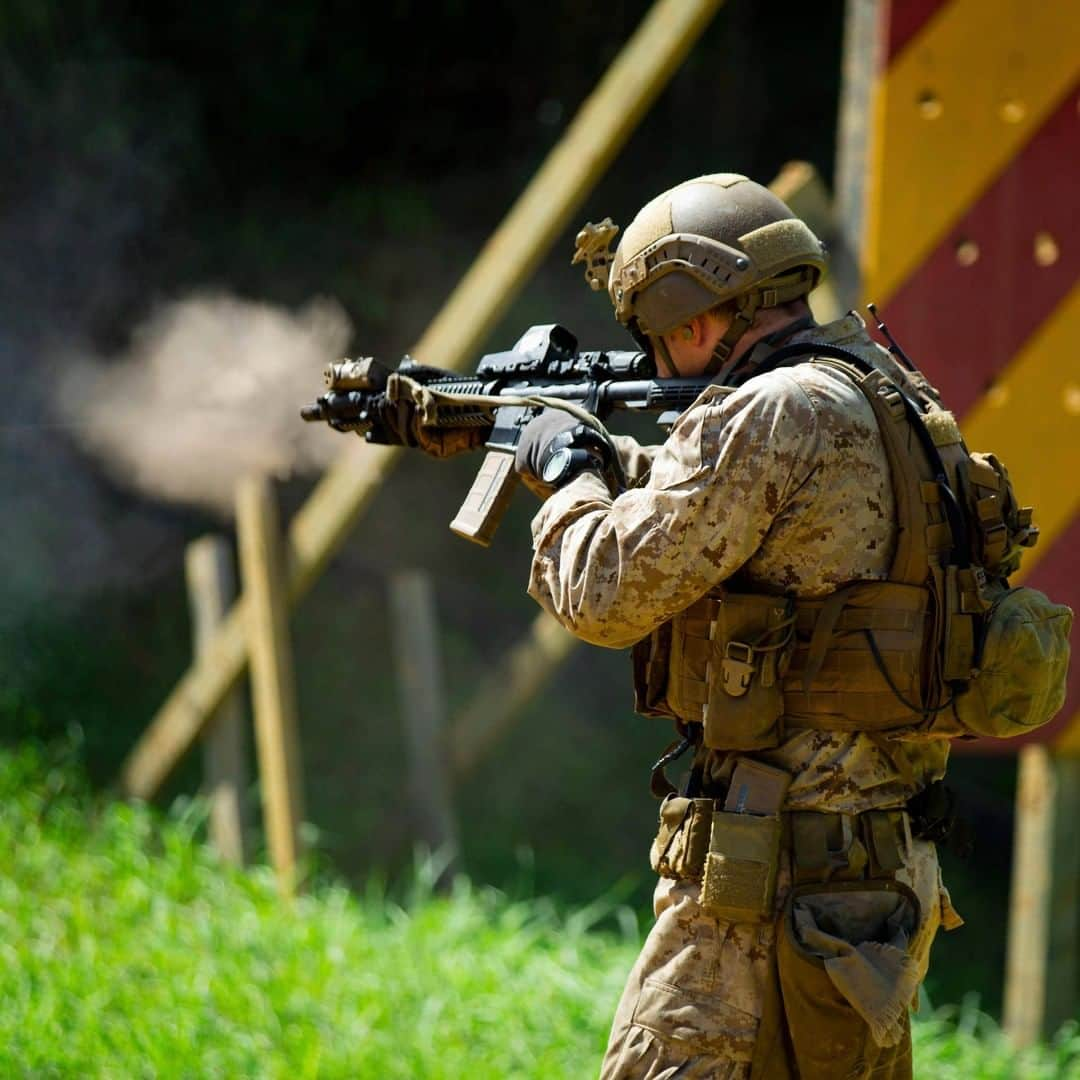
(812,571)
(798,945)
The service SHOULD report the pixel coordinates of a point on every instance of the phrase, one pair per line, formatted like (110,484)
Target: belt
(824,846)
(848,847)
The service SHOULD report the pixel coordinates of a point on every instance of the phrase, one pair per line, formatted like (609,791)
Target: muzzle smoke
(210,389)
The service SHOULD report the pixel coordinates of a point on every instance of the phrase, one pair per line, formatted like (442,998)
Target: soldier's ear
(700,328)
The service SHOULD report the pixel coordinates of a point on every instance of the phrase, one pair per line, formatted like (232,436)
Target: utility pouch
(683,837)
(847,1017)
(1020,665)
(756,788)
(739,883)
(728,658)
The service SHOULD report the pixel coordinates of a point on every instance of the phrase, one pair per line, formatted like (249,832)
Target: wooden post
(863,42)
(419,667)
(499,699)
(597,133)
(211,583)
(1041,960)
(272,686)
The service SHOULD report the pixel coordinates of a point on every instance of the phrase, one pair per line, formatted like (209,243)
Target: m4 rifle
(544,369)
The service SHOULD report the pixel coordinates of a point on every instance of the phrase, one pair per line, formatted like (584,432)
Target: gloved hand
(550,432)
(409,403)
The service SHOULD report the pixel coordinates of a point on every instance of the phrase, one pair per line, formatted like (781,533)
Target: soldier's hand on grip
(554,448)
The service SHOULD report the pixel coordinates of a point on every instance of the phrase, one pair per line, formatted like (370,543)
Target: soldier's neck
(759,349)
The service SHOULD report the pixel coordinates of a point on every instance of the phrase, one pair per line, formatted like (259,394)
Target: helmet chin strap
(772,293)
(720,363)
(665,352)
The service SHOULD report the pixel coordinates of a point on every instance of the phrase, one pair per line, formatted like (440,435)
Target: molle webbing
(768,633)
(842,643)
(824,847)
(827,674)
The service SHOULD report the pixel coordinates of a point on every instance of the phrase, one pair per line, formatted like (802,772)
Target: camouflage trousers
(694,1003)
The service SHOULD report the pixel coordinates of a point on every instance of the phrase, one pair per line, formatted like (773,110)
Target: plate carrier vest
(942,648)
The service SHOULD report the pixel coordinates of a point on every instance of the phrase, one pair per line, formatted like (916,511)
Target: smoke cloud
(209,390)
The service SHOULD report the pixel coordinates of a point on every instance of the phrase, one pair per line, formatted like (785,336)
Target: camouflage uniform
(784,482)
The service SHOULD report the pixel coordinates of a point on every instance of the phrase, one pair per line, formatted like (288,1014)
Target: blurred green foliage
(85,674)
(131,951)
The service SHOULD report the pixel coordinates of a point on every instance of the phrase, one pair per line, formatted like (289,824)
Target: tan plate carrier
(942,648)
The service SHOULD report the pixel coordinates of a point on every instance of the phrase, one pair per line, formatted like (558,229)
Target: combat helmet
(707,241)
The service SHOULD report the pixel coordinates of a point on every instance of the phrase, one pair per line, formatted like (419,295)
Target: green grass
(128,951)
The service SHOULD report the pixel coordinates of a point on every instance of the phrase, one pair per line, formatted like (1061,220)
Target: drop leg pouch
(830,1038)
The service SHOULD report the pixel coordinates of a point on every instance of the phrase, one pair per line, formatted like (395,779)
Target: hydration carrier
(944,647)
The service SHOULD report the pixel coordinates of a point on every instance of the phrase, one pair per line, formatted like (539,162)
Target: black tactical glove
(555,447)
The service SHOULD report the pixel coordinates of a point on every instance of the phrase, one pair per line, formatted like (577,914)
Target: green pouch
(752,639)
(739,883)
(1020,667)
(682,838)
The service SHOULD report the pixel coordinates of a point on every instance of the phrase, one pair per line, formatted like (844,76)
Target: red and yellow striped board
(971,248)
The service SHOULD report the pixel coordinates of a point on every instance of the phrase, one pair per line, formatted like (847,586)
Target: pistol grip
(483,509)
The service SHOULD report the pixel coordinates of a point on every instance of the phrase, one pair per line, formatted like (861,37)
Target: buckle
(894,401)
(737,668)
(732,647)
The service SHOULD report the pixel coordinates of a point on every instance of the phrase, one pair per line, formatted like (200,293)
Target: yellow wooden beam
(1041,969)
(211,582)
(273,685)
(950,113)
